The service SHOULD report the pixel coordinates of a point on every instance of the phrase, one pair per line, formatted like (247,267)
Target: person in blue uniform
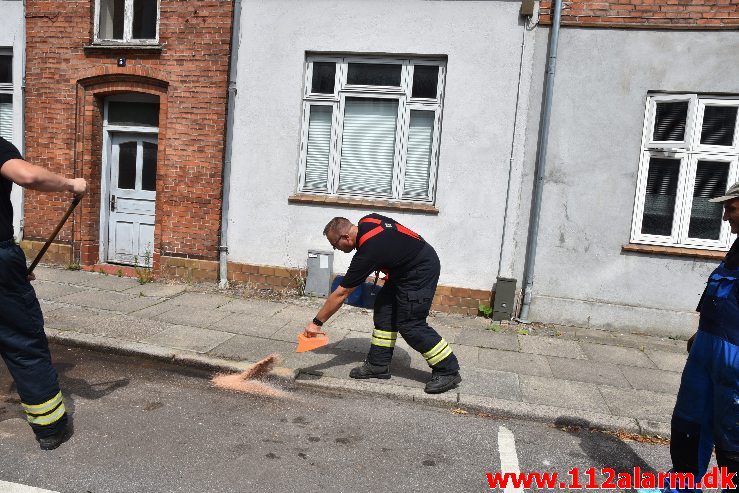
(23,343)
(706,413)
(402,305)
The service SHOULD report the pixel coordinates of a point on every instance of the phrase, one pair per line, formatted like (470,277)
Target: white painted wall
(582,277)
(482,40)
(12,35)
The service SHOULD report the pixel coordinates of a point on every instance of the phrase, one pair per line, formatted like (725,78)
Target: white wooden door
(132,199)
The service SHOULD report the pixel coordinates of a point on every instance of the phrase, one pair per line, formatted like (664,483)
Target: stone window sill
(674,251)
(390,205)
(123,47)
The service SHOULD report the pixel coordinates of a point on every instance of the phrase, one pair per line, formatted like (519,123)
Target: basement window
(127,22)
(689,154)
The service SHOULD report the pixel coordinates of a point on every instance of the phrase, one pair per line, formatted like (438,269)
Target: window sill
(674,251)
(123,46)
(391,205)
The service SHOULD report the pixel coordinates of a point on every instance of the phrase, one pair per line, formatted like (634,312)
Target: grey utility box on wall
(320,272)
(505,295)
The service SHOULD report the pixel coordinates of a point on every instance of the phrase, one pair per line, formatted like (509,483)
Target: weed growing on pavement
(144,273)
(494,327)
(73,266)
(119,273)
(523,332)
(485,310)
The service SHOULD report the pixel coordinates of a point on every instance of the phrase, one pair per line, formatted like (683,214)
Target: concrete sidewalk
(554,374)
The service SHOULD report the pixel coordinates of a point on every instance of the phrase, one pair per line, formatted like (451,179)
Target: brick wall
(661,14)
(66,84)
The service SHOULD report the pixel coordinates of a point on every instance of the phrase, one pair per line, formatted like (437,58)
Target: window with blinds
(689,155)
(371,127)
(6,96)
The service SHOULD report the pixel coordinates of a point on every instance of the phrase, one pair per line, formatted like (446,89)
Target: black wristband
(317,322)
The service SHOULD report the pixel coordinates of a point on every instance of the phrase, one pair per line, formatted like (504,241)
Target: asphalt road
(143,426)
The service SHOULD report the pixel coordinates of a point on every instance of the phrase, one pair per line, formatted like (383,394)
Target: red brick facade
(67,80)
(660,14)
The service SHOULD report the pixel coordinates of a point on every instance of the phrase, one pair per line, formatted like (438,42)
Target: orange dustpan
(306,343)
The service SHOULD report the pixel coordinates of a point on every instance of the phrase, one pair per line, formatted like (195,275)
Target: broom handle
(53,235)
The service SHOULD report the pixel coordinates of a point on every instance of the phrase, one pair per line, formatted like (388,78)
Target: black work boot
(53,441)
(442,383)
(368,370)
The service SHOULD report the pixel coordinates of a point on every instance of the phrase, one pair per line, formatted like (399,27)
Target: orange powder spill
(246,381)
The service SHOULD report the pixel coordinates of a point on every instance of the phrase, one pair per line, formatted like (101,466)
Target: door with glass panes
(132,201)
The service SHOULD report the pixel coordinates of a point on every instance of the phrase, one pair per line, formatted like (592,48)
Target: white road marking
(6,487)
(508,456)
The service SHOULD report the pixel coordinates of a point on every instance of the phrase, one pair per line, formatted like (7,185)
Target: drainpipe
(541,159)
(228,148)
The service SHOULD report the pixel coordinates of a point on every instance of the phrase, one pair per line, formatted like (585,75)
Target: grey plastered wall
(482,40)
(582,277)
(12,36)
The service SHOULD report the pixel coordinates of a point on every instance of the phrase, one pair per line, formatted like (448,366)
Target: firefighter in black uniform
(23,344)
(402,305)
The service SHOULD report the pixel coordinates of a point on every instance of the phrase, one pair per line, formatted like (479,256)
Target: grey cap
(731,194)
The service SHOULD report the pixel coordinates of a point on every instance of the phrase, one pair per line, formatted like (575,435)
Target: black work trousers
(402,306)
(24,347)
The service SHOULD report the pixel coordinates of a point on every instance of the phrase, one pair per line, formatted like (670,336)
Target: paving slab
(255,307)
(468,356)
(204,301)
(550,346)
(488,339)
(667,360)
(248,324)
(642,404)
(297,313)
(352,320)
(667,382)
(154,310)
(252,348)
(511,361)
(192,316)
(127,328)
(617,355)
(109,300)
(587,371)
(189,338)
(157,290)
(91,280)
(77,318)
(46,290)
(50,306)
(491,383)
(563,393)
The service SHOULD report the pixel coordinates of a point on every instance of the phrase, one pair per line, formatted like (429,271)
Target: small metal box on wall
(320,272)
(505,296)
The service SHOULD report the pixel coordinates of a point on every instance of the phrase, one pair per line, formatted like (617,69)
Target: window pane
(659,203)
(111,19)
(368,147)
(425,80)
(705,216)
(149,167)
(324,74)
(6,69)
(718,125)
(127,165)
(418,160)
(374,74)
(319,148)
(669,121)
(139,114)
(144,19)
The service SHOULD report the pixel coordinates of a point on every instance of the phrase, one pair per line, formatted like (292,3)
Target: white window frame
(406,104)
(127,27)
(689,152)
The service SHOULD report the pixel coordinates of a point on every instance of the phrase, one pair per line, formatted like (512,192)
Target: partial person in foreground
(706,413)
(23,343)
(402,305)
